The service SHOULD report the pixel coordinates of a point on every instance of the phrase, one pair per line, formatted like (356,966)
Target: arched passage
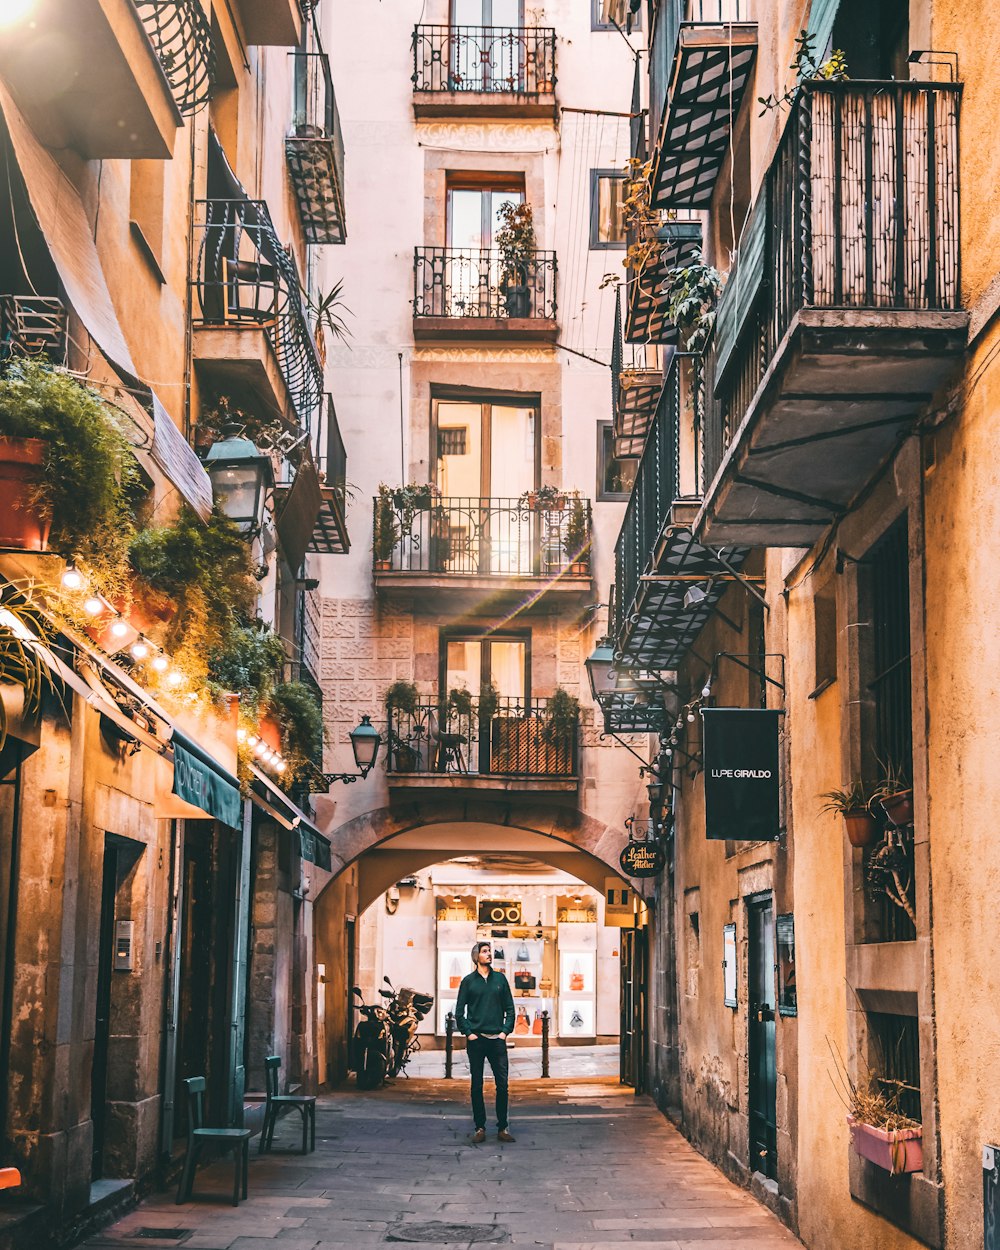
(374,850)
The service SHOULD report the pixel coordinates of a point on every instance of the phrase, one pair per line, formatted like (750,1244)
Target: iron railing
(657,483)
(469,537)
(498,60)
(330,536)
(242,277)
(182,39)
(315,150)
(33,325)
(859,210)
(472,282)
(501,737)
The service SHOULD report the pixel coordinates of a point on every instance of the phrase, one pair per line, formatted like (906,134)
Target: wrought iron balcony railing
(33,325)
(315,150)
(243,277)
(500,737)
(330,536)
(859,210)
(496,60)
(467,282)
(468,537)
(182,39)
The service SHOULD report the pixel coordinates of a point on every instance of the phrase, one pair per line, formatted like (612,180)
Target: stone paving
(593,1167)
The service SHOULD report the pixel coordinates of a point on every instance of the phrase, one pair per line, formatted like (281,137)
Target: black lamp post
(241,477)
(603,679)
(365,743)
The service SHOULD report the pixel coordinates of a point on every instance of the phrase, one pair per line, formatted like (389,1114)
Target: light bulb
(72,579)
(706,692)
(93,606)
(139,650)
(253,740)
(174,677)
(161,664)
(281,766)
(690,718)
(119,629)
(241,735)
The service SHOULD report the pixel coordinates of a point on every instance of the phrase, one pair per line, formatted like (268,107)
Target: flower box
(895,1150)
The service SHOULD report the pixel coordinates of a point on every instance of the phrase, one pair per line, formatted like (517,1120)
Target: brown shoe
(503,1135)
(478,1137)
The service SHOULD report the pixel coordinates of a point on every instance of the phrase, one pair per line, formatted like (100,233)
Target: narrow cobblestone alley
(593,1166)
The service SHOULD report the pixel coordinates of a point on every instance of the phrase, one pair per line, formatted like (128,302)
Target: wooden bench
(303,1103)
(198,1135)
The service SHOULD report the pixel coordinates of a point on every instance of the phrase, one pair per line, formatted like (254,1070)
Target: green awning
(203,782)
(313,846)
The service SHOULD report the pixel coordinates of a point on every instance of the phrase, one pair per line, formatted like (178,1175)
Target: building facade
(809,511)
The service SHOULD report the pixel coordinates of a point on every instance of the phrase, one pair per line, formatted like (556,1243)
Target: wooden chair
(303,1103)
(198,1135)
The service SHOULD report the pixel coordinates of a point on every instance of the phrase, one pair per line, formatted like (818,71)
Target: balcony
(315,151)
(463,293)
(272,23)
(330,535)
(709,48)
(470,548)
(33,325)
(251,335)
(636,383)
(666,583)
(510,745)
(484,71)
(647,319)
(127,71)
(841,317)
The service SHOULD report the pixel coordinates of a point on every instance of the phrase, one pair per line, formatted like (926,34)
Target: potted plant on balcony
(385,530)
(68,475)
(895,795)
(515,242)
(544,499)
(853,804)
(692,293)
(576,538)
(562,712)
(880,1131)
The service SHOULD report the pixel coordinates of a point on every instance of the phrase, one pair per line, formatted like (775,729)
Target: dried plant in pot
(853,803)
(880,1131)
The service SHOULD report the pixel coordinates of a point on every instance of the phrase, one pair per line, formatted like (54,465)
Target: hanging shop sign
(643,859)
(741,774)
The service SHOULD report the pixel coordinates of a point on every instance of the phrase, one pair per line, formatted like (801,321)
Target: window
(784,930)
(825,638)
(487,447)
(607,225)
(693,954)
(597,22)
(614,477)
(453,441)
(895,1059)
(729,965)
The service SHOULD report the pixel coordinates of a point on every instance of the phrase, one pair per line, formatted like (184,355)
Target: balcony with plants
(841,316)
(314,150)
(484,71)
(462,741)
(251,333)
(507,291)
(150,61)
(536,545)
(701,62)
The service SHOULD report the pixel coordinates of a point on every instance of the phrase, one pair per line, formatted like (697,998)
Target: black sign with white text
(741,774)
(643,859)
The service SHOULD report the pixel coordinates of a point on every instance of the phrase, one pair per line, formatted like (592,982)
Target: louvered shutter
(745,281)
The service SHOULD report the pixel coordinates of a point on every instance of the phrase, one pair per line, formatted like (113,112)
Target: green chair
(303,1103)
(198,1135)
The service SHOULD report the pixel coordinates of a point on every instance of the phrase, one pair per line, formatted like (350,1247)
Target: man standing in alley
(485,1014)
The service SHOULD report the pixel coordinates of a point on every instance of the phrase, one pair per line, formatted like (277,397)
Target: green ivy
(298,710)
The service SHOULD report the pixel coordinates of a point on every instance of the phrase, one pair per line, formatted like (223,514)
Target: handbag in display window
(523,955)
(521,1024)
(524,980)
(536,1024)
(498,954)
(454,975)
(576,978)
(576,1021)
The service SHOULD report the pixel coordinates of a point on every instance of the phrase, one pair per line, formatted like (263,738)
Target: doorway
(486,52)
(472,221)
(634,964)
(762,989)
(102,1015)
(482,665)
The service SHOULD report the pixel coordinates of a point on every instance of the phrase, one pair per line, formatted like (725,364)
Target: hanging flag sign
(643,859)
(741,774)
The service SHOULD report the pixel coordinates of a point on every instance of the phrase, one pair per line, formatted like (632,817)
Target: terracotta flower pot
(22,470)
(579,568)
(861,827)
(899,807)
(895,1150)
(383,566)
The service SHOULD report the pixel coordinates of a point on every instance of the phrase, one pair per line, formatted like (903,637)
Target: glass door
(486,54)
(472,223)
(481,666)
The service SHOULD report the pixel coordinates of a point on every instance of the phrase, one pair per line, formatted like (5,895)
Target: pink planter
(896,1151)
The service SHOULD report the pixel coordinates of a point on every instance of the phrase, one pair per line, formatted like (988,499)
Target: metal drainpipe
(172,990)
(7,1006)
(238,977)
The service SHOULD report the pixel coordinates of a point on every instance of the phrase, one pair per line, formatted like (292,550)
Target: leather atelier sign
(643,859)
(742,783)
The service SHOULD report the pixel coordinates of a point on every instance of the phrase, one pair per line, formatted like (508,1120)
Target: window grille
(895,1059)
(453,442)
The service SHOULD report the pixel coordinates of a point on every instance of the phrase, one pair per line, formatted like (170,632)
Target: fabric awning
(313,846)
(199,779)
(66,228)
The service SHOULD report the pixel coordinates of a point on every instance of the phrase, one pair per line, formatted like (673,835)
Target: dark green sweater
(485,1004)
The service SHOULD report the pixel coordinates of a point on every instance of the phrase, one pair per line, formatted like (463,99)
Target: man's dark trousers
(495,1050)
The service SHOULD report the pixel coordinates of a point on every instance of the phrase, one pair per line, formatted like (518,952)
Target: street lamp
(603,678)
(365,742)
(241,476)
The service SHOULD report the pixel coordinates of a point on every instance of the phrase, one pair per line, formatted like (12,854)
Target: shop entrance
(634,966)
(763,1068)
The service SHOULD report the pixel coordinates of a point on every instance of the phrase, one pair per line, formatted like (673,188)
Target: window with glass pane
(597,21)
(615,477)
(472,223)
(607,225)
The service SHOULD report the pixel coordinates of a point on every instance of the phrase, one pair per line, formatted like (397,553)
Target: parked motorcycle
(371,1046)
(405,1009)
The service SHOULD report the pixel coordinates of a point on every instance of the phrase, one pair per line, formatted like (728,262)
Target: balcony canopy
(711,49)
(647,319)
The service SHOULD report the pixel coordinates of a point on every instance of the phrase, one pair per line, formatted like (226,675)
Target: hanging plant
(807,69)
(692,293)
(562,713)
(299,713)
(403,697)
(21,664)
(249,663)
